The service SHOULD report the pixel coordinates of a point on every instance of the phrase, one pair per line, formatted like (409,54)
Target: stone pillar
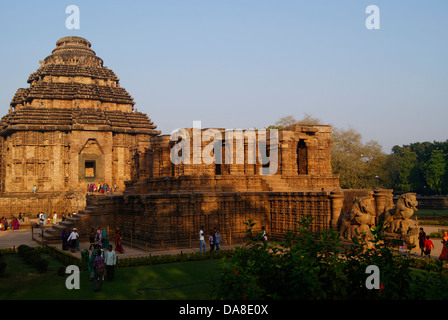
(383,201)
(337,203)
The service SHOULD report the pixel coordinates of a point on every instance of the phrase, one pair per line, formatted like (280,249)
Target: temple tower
(74,125)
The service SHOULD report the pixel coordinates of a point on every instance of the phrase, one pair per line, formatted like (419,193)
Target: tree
(359,165)
(287,121)
(423,167)
(408,169)
(435,171)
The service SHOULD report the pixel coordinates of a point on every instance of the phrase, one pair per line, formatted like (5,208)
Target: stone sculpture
(359,219)
(398,219)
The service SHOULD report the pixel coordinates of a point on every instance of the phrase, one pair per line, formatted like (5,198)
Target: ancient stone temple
(183,183)
(74,125)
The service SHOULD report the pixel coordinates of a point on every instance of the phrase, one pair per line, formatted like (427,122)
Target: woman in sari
(96,251)
(118,246)
(444,254)
(105,238)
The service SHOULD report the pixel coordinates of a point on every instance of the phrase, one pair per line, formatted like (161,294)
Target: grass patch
(175,281)
(429,212)
(432,217)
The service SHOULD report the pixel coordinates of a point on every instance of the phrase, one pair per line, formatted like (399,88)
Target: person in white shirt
(111,262)
(73,239)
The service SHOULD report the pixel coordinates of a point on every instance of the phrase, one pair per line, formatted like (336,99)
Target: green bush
(316,266)
(171,258)
(41,265)
(32,257)
(2,268)
(61,271)
(63,257)
(7,251)
(24,250)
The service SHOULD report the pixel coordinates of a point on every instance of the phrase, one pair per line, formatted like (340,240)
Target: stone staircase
(276,184)
(54,233)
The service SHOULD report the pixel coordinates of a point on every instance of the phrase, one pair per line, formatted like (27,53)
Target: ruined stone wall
(169,220)
(303,162)
(433,202)
(31,205)
(175,219)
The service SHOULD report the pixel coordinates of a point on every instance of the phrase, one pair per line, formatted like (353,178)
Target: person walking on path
(218,240)
(105,238)
(98,237)
(421,240)
(211,239)
(92,239)
(118,245)
(111,262)
(428,246)
(201,240)
(73,240)
(99,266)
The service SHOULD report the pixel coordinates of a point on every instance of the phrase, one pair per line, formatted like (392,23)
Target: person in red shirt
(428,246)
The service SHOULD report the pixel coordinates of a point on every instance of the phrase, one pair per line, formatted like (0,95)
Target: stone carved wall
(174,219)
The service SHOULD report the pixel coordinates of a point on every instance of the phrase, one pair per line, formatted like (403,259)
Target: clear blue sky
(247,63)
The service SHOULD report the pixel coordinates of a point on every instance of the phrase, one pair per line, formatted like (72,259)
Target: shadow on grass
(175,281)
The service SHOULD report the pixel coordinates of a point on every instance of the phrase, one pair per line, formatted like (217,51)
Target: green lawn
(432,217)
(431,213)
(176,281)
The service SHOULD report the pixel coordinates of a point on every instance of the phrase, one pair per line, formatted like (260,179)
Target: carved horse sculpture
(398,219)
(359,219)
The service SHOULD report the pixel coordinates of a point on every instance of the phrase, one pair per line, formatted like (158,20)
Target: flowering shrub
(315,266)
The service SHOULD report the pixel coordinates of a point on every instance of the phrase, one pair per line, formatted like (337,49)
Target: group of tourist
(103,259)
(12,224)
(43,218)
(98,237)
(102,265)
(426,245)
(102,188)
(214,240)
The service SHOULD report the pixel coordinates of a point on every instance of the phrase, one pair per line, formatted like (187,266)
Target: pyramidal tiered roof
(72,87)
